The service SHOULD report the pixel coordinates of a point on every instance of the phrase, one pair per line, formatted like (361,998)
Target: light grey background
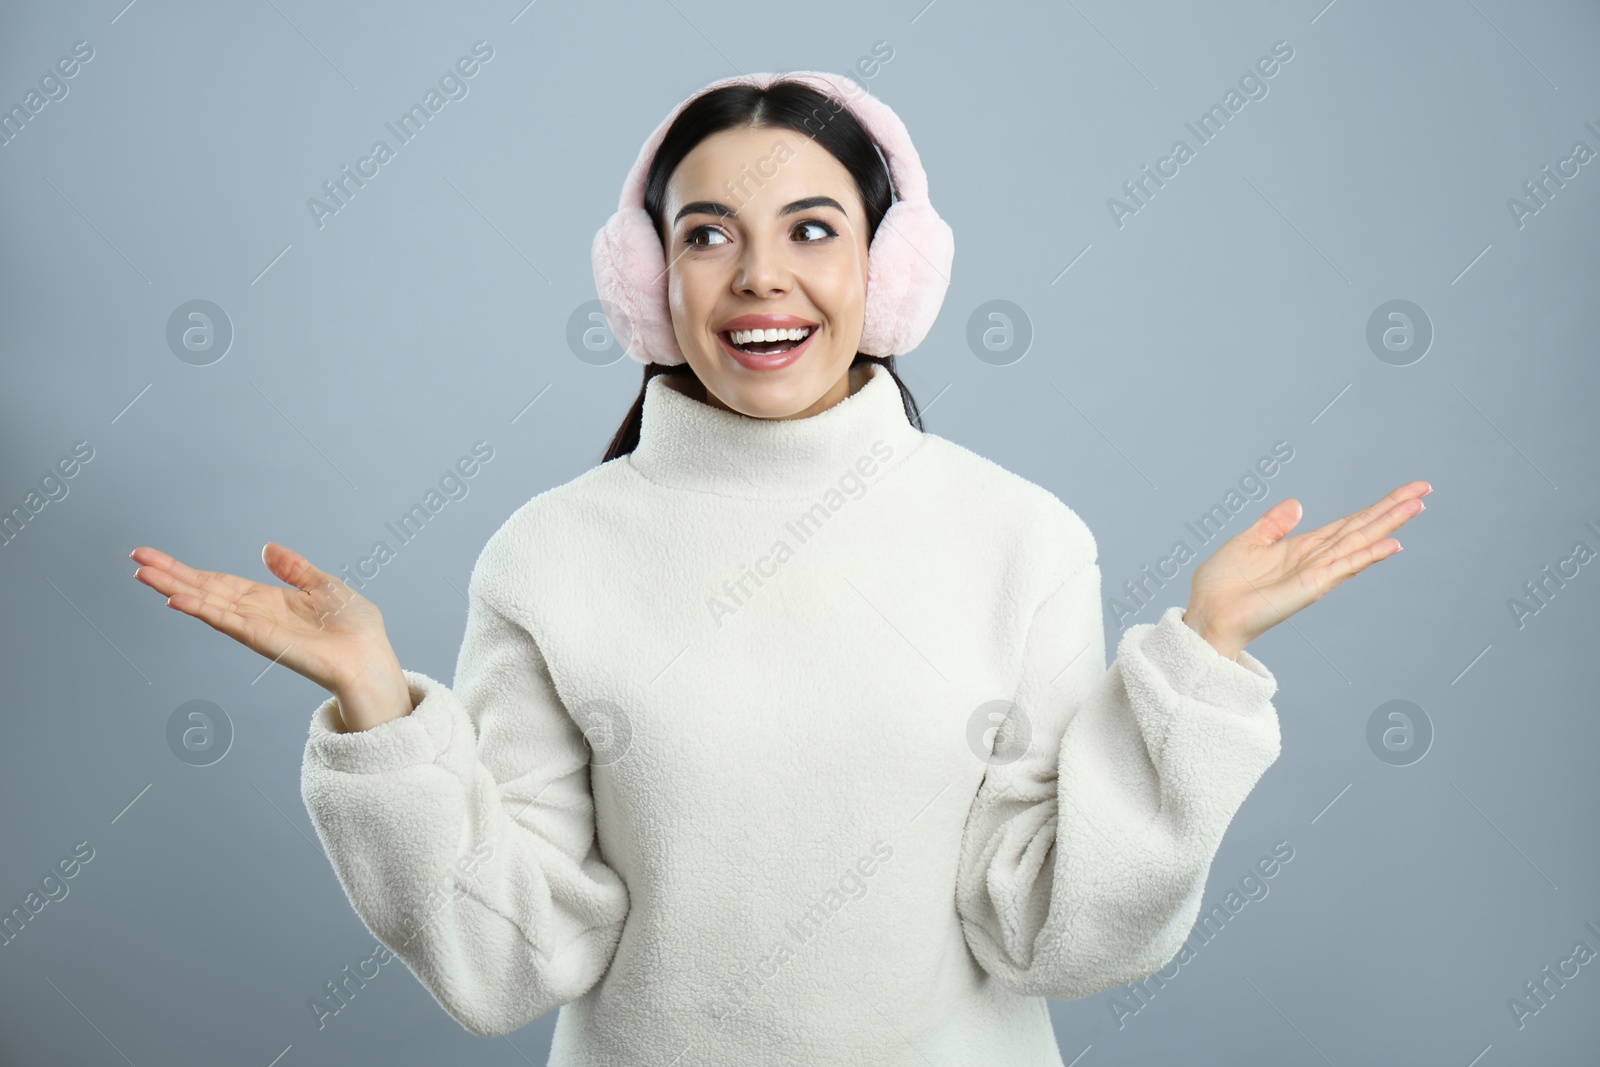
(1228,314)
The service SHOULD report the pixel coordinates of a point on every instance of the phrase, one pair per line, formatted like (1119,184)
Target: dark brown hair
(788,105)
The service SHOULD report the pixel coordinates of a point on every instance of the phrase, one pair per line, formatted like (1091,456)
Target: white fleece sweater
(796,836)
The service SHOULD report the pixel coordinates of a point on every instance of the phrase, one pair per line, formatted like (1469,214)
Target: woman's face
(766,229)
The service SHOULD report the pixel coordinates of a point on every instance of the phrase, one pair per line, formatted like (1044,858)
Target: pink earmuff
(908,266)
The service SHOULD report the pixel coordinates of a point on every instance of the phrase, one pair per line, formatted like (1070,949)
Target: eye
(689,238)
(828,231)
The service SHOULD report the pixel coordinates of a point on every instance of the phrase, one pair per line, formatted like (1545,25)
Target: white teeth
(745,337)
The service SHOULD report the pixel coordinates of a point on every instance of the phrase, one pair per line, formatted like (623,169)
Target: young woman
(785,734)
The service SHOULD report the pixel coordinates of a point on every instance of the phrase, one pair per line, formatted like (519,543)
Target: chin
(766,398)
(772,394)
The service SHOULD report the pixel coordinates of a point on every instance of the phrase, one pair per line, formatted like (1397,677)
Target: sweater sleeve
(1083,859)
(463,833)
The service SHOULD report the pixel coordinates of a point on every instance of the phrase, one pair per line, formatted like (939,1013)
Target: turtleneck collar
(686,443)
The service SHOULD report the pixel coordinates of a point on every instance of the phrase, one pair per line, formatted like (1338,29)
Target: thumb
(1276,523)
(291,567)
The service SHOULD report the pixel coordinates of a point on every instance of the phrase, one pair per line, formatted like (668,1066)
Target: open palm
(318,626)
(1260,577)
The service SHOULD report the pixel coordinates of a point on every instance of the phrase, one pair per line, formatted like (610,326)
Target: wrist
(1227,645)
(374,699)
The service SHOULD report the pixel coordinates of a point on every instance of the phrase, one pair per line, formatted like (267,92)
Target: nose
(763,270)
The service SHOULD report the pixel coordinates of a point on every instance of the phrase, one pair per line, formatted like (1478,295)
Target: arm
(463,832)
(1083,862)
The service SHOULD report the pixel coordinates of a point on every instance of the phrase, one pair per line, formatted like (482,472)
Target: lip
(766,322)
(778,361)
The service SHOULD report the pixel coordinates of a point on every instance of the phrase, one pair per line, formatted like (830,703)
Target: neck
(689,443)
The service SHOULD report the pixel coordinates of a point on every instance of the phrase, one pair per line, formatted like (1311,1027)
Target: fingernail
(1430,489)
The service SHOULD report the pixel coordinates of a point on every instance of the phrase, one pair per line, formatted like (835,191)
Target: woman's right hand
(319,628)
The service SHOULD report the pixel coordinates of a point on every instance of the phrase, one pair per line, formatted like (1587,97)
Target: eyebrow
(712,207)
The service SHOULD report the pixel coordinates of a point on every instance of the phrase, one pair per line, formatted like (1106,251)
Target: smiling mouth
(757,343)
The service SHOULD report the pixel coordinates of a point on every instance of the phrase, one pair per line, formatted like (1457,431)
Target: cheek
(853,281)
(843,285)
(686,292)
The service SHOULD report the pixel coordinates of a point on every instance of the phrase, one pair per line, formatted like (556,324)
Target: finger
(230,584)
(1409,491)
(325,594)
(164,583)
(1380,527)
(1339,527)
(295,569)
(217,614)
(1276,522)
(216,608)
(1360,559)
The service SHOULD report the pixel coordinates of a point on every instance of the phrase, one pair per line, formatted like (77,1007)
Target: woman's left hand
(1260,577)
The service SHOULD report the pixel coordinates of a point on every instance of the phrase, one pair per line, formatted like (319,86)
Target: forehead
(761,169)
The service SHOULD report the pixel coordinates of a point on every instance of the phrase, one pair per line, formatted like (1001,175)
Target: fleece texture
(792,742)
